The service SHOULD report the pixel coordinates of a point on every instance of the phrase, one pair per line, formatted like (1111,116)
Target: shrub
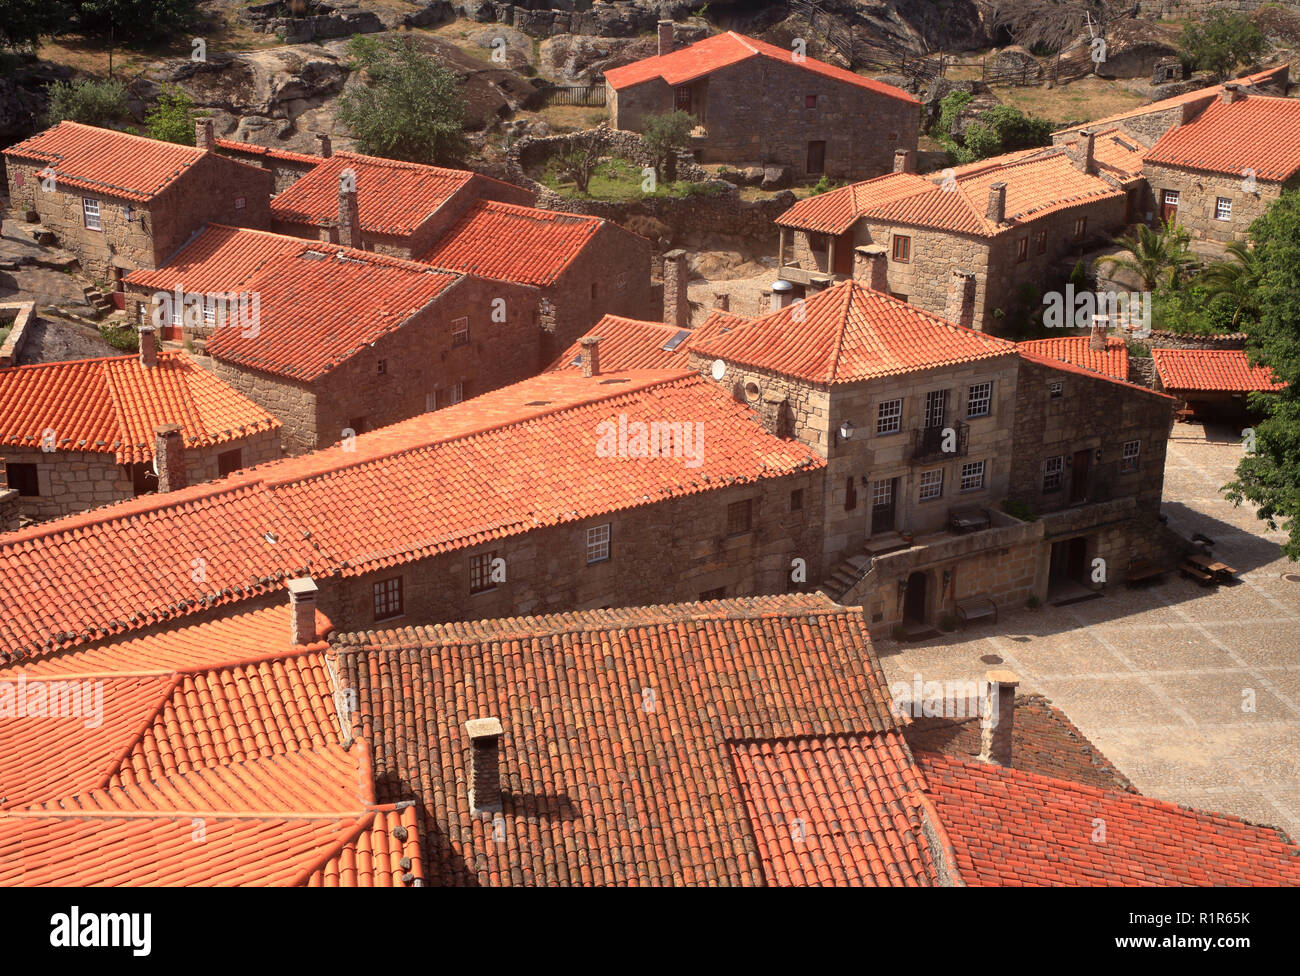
(172,119)
(1033,602)
(89,101)
(122,337)
(664,134)
(1018,509)
(947,623)
(1221,42)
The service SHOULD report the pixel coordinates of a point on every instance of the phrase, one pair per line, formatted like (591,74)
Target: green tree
(579,161)
(664,135)
(1156,256)
(1221,42)
(994,131)
(1236,278)
(87,100)
(133,20)
(172,119)
(24,22)
(411,107)
(1269,477)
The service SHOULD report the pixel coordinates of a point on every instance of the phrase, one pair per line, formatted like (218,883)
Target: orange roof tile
(318,303)
(106,161)
(114,405)
(848,334)
(826,811)
(1113,361)
(1010,827)
(632,344)
(1226,370)
(510,243)
(1257,132)
(1060,364)
(723,50)
(269,152)
(836,211)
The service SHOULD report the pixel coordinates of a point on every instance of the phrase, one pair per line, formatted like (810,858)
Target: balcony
(931,441)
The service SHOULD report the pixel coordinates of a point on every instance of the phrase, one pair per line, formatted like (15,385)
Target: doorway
(1079,469)
(883,499)
(119,289)
(1169,205)
(817,157)
(914,602)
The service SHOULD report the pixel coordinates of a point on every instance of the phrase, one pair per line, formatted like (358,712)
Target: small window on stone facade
(1129,459)
(1042,240)
(898,295)
(381,366)
(819,243)
(460,331)
(357,425)
(597,543)
(593,291)
(979,400)
(1022,249)
(740,517)
(1053,473)
(1222,209)
(209,312)
(1056,391)
(902,248)
(889,417)
(931,484)
(387,595)
(972,476)
(457,392)
(229,461)
(23,477)
(850,493)
(143,480)
(239,203)
(796,500)
(718,594)
(751,392)
(480,572)
(90,210)
(1080,228)
(810,101)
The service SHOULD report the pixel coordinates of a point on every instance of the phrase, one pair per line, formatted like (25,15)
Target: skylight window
(676,340)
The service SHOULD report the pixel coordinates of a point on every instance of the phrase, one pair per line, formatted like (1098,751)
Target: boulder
(776,177)
(516,48)
(572,59)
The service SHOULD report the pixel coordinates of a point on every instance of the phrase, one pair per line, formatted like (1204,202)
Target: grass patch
(4,333)
(122,337)
(619,181)
(572,118)
(1082,100)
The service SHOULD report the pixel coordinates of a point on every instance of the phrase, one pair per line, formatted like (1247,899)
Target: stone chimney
(484,764)
(10,508)
(1097,338)
(148,347)
(349,214)
(325,148)
(904,161)
(782,295)
(960,306)
(590,355)
(1084,153)
(770,412)
(997,209)
(997,717)
(722,301)
(169,457)
(203,138)
(871,266)
(1231,92)
(665,37)
(677,308)
(302,611)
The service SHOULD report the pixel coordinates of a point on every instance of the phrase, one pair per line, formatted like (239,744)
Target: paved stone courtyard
(1156,677)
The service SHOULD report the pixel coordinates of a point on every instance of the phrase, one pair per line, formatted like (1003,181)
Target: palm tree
(1237,276)
(1156,255)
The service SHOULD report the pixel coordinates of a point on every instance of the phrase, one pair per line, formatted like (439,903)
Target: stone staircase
(853,570)
(97,300)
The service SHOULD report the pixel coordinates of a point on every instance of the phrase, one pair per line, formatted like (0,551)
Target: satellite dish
(719,369)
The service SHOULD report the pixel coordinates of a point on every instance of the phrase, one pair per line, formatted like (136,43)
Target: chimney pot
(773,406)
(203,138)
(1097,338)
(677,307)
(148,347)
(904,161)
(665,37)
(997,716)
(782,294)
(1231,92)
(997,209)
(325,145)
(302,610)
(484,764)
(590,355)
(1085,151)
(349,213)
(870,266)
(169,457)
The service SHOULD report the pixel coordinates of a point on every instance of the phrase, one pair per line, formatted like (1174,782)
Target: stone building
(1213,384)
(331,339)
(81,434)
(971,242)
(758,104)
(1215,175)
(120,202)
(286,167)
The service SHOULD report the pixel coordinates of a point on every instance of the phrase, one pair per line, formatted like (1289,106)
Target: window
(810,101)
(898,295)
(1129,459)
(936,408)
(719,594)
(740,516)
(1222,209)
(239,203)
(449,395)
(90,211)
(1056,391)
(593,291)
(457,392)
(818,242)
(209,311)
(889,417)
(388,598)
(430,402)
(23,477)
(460,331)
(143,480)
(796,500)
(1171,198)
(979,400)
(850,494)
(597,543)
(1022,249)
(1080,228)
(1053,473)
(882,493)
(1040,240)
(358,425)
(931,484)
(480,572)
(229,461)
(972,476)
(902,248)
(381,366)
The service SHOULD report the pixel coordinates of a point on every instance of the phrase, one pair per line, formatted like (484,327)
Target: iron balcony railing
(935,443)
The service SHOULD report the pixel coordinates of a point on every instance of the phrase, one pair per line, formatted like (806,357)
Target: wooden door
(817,156)
(1169,205)
(1079,476)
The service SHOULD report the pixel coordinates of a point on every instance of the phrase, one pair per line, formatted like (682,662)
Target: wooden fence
(588,95)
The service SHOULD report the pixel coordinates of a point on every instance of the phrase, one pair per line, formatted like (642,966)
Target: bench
(1193,571)
(1143,569)
(976,608)
(967,518)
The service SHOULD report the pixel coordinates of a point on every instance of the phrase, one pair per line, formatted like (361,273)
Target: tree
(584,152)
(1269,476)
(994,131)
(1235,278)
(133,20)
(1221,42)
(410,108)
(87,100)
(24,22)
(1157,256)
(172,119)
(665,134)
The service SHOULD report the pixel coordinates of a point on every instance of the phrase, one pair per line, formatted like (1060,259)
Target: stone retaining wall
(18,316)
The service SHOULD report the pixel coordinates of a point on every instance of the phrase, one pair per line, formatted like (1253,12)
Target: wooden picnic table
(1212,566)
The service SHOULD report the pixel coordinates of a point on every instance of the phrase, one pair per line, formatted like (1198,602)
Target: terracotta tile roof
(1116,153)
(114,405)
(632,344)
(1033,357)
(510,243)
(1113,361)
(394,198)
(836,211)
(723,50)
(318,303)
(106,161)
(1256,132)
(614,763)
(827,811)
(449,479)
(1226,370)
(1010,827)
(268,152)
(848,334)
